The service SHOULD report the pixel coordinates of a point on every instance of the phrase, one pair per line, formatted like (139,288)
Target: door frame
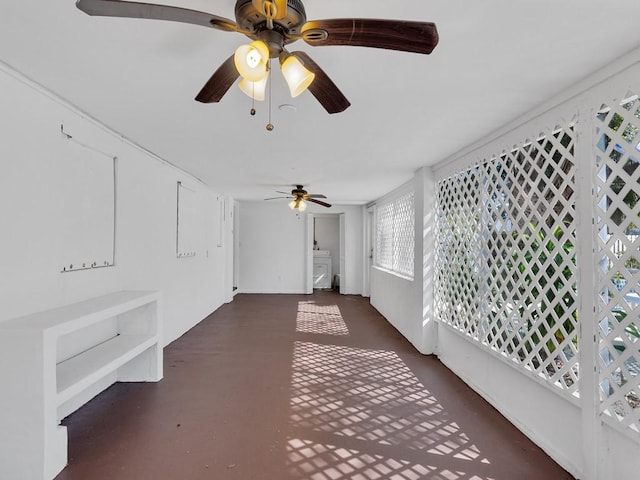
(308,288)
(367,251)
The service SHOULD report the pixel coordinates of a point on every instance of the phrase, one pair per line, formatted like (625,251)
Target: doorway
(327,252)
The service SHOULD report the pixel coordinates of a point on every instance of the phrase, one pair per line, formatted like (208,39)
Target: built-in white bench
(55,361)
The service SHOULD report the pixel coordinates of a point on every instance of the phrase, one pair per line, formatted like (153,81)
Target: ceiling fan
(300,197)
(272,25)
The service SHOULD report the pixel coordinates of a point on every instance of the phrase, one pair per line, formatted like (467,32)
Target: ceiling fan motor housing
(299,191)
(249,18)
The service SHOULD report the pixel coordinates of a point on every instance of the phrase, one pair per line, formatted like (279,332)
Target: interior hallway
(274,387)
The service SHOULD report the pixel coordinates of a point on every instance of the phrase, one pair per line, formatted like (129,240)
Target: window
(395,230)
(505,260)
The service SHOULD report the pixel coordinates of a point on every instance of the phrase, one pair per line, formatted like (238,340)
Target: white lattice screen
(617,217)
(395,230)
(505,261)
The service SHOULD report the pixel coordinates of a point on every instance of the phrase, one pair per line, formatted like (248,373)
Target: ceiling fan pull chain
(253,99)
(270,80)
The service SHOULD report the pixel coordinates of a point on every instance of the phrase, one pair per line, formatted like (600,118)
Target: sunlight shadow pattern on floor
(371,396)
(320,319)
(315,461)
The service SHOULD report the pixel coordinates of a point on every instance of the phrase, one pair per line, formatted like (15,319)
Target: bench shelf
(53,362)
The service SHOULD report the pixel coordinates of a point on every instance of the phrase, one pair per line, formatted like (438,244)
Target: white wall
(397,299)
(549,420)
(271,248)
(400,300)
(31,213)
(274,245)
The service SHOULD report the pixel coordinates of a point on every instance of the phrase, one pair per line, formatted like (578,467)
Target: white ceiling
(497,59)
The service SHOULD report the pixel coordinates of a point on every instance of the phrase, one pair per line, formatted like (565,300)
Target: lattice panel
(617,216)
(395,234)
(384,236)
(506,272)
(458,260)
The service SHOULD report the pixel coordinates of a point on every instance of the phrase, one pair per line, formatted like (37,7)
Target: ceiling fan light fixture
(298,203)
(255,90)
(277,23)
(251,60)
(298,77)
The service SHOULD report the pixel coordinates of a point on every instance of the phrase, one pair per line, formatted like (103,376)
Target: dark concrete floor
(275,387)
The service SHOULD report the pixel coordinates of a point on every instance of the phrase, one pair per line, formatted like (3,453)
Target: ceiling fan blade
(219,83)
(323,88)
(122,8)
(319,202)
(276,198)
(315,195)
(406,36)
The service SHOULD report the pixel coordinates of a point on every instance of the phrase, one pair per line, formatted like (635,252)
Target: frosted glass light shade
(251,60)
(255,90)
(298,77)
(298,203)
